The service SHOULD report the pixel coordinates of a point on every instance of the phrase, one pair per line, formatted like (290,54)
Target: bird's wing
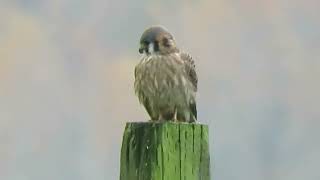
(190,68)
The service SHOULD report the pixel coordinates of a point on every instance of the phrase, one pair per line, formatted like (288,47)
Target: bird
(165,78)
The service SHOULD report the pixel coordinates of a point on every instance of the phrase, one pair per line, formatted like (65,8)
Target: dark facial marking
(156,46)
(146,43)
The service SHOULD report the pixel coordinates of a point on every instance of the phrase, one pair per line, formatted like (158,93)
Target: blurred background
(66,84)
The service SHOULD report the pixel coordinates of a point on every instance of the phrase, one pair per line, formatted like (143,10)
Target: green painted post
(165,151)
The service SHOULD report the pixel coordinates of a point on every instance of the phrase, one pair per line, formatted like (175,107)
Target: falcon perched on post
(165,78)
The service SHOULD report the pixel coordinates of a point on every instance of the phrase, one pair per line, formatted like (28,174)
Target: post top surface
(148,123)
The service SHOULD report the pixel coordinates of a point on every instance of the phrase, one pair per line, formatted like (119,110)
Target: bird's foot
(161,119)
(175,119)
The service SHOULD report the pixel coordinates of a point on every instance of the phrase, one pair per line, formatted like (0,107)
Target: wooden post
(165,151)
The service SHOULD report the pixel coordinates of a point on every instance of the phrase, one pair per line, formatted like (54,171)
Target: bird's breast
(159,74)
(159,71)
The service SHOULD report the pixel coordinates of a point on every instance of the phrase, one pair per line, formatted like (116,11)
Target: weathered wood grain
(165,151)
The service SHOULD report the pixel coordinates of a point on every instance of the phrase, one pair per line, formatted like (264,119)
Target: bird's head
(157,40)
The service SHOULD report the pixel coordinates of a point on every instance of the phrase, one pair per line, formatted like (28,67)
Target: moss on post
(165,151)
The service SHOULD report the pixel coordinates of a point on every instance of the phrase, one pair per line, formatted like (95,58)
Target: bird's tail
(193,114)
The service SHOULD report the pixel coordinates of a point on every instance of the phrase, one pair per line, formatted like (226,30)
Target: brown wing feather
(190,68)
(192,75)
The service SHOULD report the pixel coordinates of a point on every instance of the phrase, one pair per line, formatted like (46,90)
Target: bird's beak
(146,48)
(140,50)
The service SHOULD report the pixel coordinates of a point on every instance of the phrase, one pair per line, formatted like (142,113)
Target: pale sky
(66,84)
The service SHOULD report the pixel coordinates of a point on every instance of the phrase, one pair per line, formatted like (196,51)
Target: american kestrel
(165,78)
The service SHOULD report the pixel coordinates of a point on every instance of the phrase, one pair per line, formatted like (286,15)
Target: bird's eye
(166,42)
